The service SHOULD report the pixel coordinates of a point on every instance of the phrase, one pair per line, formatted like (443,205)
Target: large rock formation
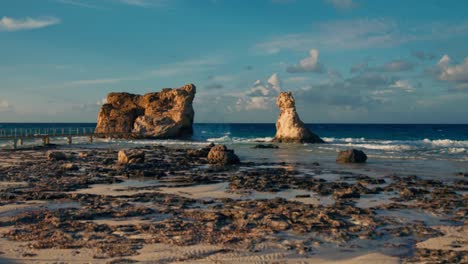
(289,127)
(165,114)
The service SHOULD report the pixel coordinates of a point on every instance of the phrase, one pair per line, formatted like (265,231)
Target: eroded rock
(165,114)
(131,156)
(221,155)
(203,152)
(289,127)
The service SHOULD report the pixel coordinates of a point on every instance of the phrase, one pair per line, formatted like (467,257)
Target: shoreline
(174,207)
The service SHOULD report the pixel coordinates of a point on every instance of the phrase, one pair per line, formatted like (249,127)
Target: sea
(430,149)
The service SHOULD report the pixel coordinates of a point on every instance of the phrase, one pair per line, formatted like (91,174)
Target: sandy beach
(174,207)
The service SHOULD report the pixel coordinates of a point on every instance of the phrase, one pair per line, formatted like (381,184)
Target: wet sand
(175,207)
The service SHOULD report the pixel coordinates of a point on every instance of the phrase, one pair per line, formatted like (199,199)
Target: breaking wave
(442,145)
(227,139)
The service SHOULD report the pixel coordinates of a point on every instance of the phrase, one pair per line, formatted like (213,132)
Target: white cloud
(397,66)
(136,3)
(275,82)
(359,67)
(403,85)
(4,104)
(258,89)
(342,4)
(188,66)
(260,96)
(334,75)
(222,78)
(144,3)
(356,34)
(96,81)
(79,4)
(381,92)
(254,103)
(453,73)
(165,70)
(11,24)
(341,34)
(422,55)
(102,101)
(309,64)
(444,61)
(283,1)
(297,79)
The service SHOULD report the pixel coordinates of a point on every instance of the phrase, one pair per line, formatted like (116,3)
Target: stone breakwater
(89,201)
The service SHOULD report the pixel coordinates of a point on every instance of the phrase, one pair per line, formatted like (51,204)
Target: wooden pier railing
(18,135)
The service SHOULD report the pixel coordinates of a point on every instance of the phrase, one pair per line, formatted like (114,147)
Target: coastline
(156,210)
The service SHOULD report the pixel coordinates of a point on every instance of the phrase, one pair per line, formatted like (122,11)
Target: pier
(18,135)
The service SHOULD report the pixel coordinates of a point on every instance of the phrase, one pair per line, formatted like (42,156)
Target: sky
(346,61)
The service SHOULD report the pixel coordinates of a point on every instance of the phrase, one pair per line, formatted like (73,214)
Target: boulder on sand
(56,155)
(131,156)
(70,167)
(289,127)
(203,152)
(221,155)
(351,156)
(165,114)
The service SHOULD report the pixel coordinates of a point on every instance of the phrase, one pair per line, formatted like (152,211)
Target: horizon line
(248,123)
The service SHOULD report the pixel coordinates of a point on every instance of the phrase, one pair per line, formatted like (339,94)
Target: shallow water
(10,210)
(403,216)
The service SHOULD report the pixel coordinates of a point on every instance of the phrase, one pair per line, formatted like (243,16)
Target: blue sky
(345,60)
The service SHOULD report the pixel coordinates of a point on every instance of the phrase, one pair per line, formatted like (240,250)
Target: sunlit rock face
(289,127)
(165,114)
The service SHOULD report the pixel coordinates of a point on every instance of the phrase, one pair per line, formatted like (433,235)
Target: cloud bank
(11,24)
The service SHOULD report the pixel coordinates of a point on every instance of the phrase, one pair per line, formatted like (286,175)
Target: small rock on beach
(351,156)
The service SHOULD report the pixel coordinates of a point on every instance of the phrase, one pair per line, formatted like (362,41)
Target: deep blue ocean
(429,141)
(205,131)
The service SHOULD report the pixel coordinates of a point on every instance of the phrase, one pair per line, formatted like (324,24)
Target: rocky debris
(289,127)
(56,155)
(131,156)
(203,152)
(70,167)
(245,224)
(278,179)
(221,155)
(262,180)
(351,156)
(85,154)
(165,114)
(265,146)
(423,255)
(411,192)
(346,193)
